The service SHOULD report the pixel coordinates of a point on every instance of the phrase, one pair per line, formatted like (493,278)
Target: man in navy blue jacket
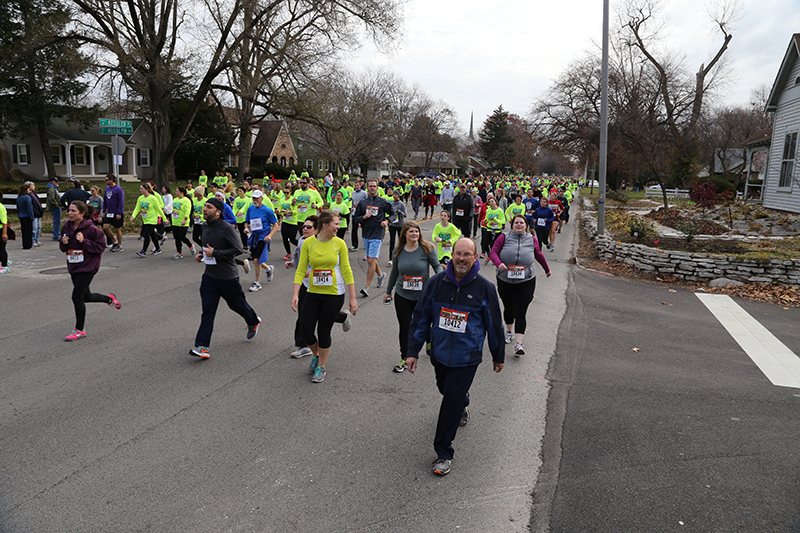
(458,310)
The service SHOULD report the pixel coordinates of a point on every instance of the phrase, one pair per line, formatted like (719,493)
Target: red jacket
(83,256)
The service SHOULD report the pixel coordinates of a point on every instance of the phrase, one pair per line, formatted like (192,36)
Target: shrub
(726,197)
(618,196)
(641,229)
(704,194)
(689,228)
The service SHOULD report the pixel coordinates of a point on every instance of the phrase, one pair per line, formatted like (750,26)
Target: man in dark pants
(462,210)
(458,309)
(221,244)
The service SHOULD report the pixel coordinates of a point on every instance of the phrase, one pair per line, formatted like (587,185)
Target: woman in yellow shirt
(151,209)
(324,257)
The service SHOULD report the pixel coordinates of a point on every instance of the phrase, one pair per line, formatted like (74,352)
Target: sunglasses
(308,227)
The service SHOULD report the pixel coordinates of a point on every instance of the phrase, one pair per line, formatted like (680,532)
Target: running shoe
(518,349)
(441,467)
(193,250)
(428,348)
(380,280)
(37,244)
(140,238)
(401,366)
(270,273)
(319,375)
(483,255)
(365,292)
(353,249)
(141,253)
(552,248)
(178,256)
(287,257)
(114,302)
(3,270)
(75,335)
(246,266)
(255,287)
(509,336)
(252,331)
(200,351)
(301,352)
(389,263)
(464,417)
(313,366)
(157,252)
(388,301)
(346,323)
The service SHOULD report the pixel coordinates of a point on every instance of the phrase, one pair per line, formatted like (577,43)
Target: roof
(268,131)
(438,159)
(792,53)
(759,138)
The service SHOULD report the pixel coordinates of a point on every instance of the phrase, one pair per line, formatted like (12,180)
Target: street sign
(110,126)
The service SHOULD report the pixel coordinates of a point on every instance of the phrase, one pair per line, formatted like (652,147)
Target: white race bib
(447,247)
(198,219)
(256,224)
(516,272)
(176,215)
(209,260)
(302,208)
(412,283)
(74,256)
(541,222)
(451,320)
(372,210)
(459,212)
(109,215)
(323,277)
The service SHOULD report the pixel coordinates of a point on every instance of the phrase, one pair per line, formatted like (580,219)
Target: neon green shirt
(341,209)
(150,208)
(197,210)
(3,216)
(329,263)
(515,209)
(181,210)
(240,206)
(448,237)
(287,211)
(495,219)
(307,203)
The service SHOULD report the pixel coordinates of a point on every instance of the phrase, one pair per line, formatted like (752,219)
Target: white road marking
(773,358)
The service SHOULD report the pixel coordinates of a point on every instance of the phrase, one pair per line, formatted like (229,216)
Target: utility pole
(601,189)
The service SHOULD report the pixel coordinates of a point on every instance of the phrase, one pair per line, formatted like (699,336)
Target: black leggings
(298,336)
(487,240)
(393,233)
(197,234)
(150,233)
(3,253)
(242,234)
(81,294)
(26,228)
(543,234)
(319,311)
(403,309)
(289,234)
(516,299)
(179,232)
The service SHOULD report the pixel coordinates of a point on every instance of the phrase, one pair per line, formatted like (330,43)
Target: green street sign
(110,126)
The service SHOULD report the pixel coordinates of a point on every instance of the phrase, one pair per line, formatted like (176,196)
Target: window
(80,155)
(232,160)
(283,161)
(22,154)
(55,150)
(321,164)
(309,163)
(327,165)
(787,163)
(144,157)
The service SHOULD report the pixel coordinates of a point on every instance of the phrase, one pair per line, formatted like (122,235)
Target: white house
(782,178)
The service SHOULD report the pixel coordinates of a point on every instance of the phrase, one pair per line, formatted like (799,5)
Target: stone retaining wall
(690,266)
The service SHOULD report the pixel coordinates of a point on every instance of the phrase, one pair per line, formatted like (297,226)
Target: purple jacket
(114,200)
(93,245)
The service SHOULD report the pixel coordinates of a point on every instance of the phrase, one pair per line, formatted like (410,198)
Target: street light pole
(601,190)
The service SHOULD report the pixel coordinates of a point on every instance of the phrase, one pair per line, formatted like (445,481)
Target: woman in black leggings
(83,242)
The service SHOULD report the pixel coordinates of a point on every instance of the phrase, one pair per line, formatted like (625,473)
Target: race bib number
(176,215)
(459,212)
(209,260)
(447,247)
(372,210)
(302,208)
(516,272)
(541,222)
(74,256)
(412,283)
(198,219)
(451,320)
(323,277)
(493,223)
(109,215)
(256,224)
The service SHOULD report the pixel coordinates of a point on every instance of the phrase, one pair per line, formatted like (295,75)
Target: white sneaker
(389,263)
(270,272)
(380,280)
(255,287)
(509,336)
(518,349)
(301,352)
(246,266)
(346,323)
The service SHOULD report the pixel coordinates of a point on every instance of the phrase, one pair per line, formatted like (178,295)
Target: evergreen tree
(40,75)
(496,142)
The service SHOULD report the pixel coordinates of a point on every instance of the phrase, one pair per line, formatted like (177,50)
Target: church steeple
(471,136)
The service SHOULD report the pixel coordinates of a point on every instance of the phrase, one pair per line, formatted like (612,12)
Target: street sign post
(110,126)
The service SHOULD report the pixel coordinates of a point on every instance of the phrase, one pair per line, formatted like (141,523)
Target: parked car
(593,183)
(654,188)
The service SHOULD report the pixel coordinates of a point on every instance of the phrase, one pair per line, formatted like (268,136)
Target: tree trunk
(44,142)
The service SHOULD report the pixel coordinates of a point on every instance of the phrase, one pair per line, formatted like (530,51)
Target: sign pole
(114,145)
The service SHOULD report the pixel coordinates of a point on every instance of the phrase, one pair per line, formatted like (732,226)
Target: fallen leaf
(672,290)
(636,350)
(613,299)
(664,303)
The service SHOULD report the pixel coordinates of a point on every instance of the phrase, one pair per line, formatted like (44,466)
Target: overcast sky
(476,55)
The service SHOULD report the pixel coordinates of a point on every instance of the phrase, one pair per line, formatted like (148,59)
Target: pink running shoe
(114,302)
(75,335)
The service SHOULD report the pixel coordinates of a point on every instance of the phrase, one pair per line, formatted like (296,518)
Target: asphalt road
(124,431)
(659,421)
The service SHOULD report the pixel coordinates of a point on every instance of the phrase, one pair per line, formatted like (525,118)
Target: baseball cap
(257,194)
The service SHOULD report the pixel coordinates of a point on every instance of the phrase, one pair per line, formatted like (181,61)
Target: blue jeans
(56,223)
(37,228)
